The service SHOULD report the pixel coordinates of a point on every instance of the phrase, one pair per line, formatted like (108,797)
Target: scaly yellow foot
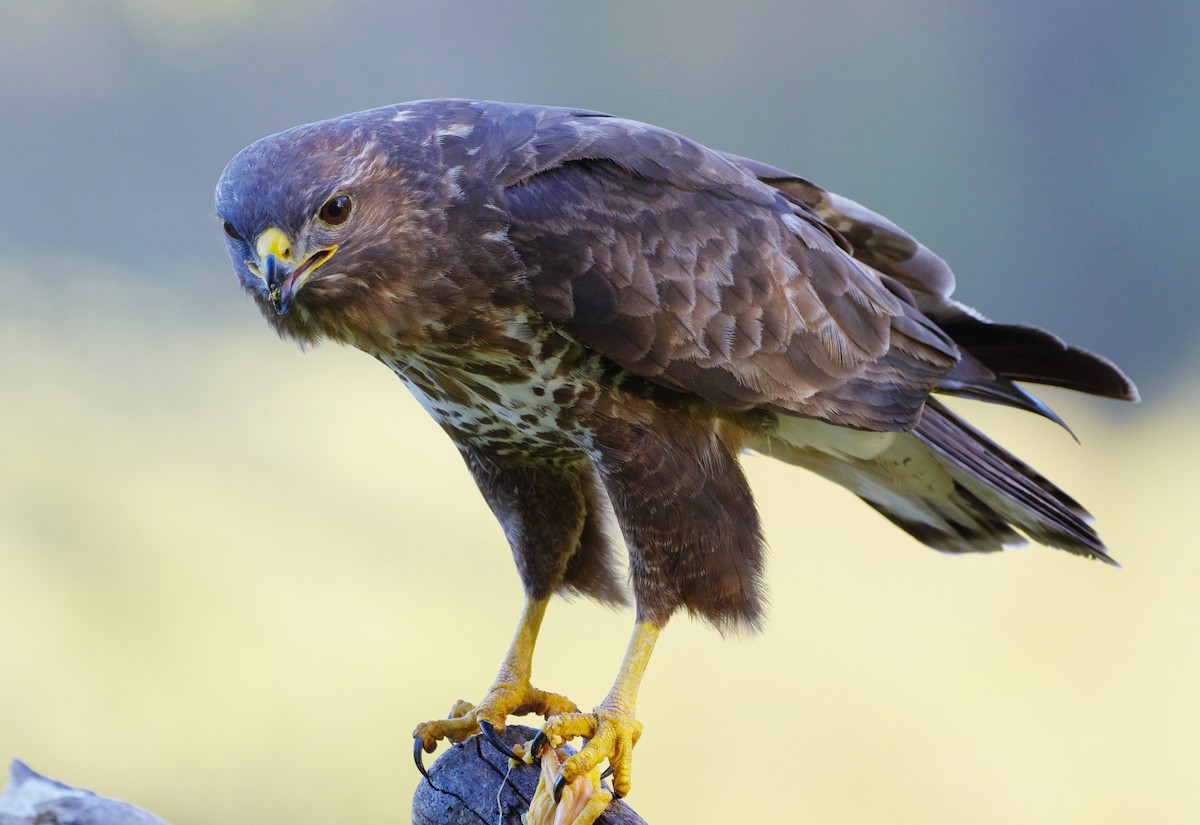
(612,729)
(510,694)
(504,699)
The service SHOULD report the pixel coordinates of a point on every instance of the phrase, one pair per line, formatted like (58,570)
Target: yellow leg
(510,694)
(612,727)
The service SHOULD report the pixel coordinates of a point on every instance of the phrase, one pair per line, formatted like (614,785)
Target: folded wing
(684,268)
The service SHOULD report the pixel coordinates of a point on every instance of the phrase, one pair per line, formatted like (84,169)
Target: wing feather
(999,353)
(684,268)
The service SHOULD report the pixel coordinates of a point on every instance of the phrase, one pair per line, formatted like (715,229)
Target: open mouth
(284,285)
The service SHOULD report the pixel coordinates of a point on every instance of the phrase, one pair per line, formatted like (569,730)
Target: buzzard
(602,314)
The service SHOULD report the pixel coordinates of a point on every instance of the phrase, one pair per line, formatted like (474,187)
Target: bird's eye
(231,232)
(336,210)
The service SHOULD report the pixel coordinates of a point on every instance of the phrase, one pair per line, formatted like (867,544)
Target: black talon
(559,784)
(489,733)
(418,749)
(607,773)
(539,744)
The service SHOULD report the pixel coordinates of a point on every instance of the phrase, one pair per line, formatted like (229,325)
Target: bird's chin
(294,325)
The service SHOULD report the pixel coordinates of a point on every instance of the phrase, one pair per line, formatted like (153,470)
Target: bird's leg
(611,727)
(510,694)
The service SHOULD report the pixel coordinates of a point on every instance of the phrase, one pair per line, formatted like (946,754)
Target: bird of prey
(603,314)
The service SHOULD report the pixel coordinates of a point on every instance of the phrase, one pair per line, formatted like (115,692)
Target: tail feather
(961,523)
(946,484)
(1008,485)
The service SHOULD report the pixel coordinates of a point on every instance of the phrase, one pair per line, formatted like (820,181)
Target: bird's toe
(611,733)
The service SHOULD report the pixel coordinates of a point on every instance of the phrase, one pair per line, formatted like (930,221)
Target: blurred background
(233,576)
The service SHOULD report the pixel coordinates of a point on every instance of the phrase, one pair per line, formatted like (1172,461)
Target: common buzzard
(599,312)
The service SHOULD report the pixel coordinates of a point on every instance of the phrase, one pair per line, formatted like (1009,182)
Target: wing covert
(685,269)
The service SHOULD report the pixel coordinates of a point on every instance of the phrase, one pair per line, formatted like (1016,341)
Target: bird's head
(324,228)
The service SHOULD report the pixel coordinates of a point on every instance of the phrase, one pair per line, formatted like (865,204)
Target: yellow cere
(274,242)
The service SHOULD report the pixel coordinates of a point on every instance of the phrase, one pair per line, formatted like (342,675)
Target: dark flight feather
(1013,352)
(1027,353)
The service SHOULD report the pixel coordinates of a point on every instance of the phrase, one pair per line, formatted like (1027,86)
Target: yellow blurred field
(233,577)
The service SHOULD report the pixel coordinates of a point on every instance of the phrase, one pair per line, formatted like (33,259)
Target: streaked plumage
(594,308)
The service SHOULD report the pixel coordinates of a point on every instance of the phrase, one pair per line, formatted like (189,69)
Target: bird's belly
(510,413)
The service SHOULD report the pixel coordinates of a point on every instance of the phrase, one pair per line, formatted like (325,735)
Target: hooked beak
(278,269)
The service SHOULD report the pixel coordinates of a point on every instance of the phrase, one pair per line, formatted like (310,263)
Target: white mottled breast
(514,399)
